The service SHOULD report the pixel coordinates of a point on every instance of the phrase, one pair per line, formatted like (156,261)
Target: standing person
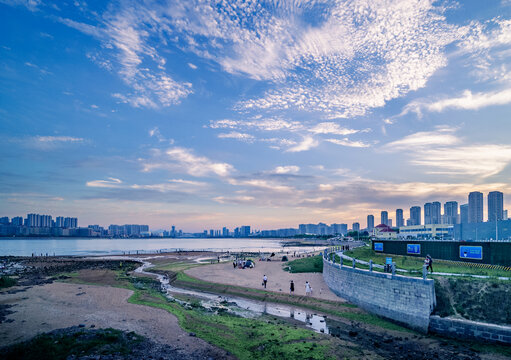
(430,263)
(234,264)
(265,280)
(291,288)
(308,288)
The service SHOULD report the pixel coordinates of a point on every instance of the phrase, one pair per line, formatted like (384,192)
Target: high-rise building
(389,222)
(400,221)
(415,215)
(464,214)
(17,221)
(225,232)
(495,206)
(356,226)
(475,207)
(504,216)
(245,231)
(451,212)
(384,217)
(4,220)
(432,213)
(370,222)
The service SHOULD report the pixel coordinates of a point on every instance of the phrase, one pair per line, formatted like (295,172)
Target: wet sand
(58,305)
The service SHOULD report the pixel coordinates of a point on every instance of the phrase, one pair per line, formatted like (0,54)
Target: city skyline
(272,114)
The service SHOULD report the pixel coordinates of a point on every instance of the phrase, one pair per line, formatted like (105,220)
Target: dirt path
(278,279)
(58,305)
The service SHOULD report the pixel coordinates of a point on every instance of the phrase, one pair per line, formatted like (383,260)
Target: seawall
(406,300)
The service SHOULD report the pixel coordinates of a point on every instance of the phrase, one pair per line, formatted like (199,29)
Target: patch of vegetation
(313,264)
(58,346)
(414,263)
(335,308)
(6,281)
(245,338)
(484,300)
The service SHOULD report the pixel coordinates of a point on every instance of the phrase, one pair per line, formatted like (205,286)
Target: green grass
(81,343)
(6,281)
(312,264)
(415,263)
(245,338)
(338,309)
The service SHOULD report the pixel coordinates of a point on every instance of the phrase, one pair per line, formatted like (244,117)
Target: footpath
(378,266)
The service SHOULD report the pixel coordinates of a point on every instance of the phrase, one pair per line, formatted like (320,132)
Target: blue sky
(271,114)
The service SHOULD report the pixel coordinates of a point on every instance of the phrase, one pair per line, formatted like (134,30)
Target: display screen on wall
(413,249)
(471,252)
(378,246)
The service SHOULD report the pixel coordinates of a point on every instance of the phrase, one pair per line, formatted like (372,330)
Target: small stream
(245,307)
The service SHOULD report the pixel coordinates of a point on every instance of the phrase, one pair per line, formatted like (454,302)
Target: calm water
(88,246)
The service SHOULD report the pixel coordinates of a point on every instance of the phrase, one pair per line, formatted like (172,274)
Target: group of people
(308,287)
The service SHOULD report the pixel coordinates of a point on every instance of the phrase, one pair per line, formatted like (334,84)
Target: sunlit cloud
(110,183)
(307,143)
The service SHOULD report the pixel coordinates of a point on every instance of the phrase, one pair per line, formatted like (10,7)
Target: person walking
(308,289)
(291,288)
(430,263)
(265,280)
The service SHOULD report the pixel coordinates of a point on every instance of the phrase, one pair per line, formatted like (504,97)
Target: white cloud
(349,143)
(307,143)
(238,136)
(110,183)
(58,139)
(234,199)
(192,66)
(442,136)
(194,165)
(332,128)
(467,101)
(441,152)
(31,5)
(290,169)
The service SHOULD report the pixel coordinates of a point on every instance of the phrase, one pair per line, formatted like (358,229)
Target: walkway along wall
(406,300)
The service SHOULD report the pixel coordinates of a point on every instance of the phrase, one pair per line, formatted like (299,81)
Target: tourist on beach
(291,288)
(308,288)
(234,264)
(265,280)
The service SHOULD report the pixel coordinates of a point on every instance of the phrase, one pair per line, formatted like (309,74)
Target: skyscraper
(495,206)
(451,212)
(370,222)
(384,218)
(432,213)
(475,207)
(400,221)
(356,226)
(464,214)
(415,215)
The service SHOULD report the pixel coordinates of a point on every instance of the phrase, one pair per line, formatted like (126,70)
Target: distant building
(428,231)
(356,226)
(415,215)
(464,214)
(432,213)
(451,212)
(400,221)
(475,207)
(370,222)
(17,221)
(384,218)
(245,231)
(495,206)
(4,220)
(383,231)
(225,232)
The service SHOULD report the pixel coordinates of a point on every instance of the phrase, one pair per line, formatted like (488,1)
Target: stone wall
(462,329)
(406,300)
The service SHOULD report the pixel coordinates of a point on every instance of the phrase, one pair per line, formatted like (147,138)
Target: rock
(352,333)
(192,334)
(93,326)
(81,325)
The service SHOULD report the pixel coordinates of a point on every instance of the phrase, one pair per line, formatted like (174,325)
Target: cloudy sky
(204,114)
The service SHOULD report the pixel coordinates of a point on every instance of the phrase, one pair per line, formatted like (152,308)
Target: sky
(203,114)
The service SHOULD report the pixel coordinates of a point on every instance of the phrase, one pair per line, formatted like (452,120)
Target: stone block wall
(461,329)
(406,300)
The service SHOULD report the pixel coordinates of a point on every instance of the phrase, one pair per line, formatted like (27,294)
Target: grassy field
(413,263)
(305,265)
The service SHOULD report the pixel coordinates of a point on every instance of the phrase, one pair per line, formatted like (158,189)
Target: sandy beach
(278,279)
(57,305)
